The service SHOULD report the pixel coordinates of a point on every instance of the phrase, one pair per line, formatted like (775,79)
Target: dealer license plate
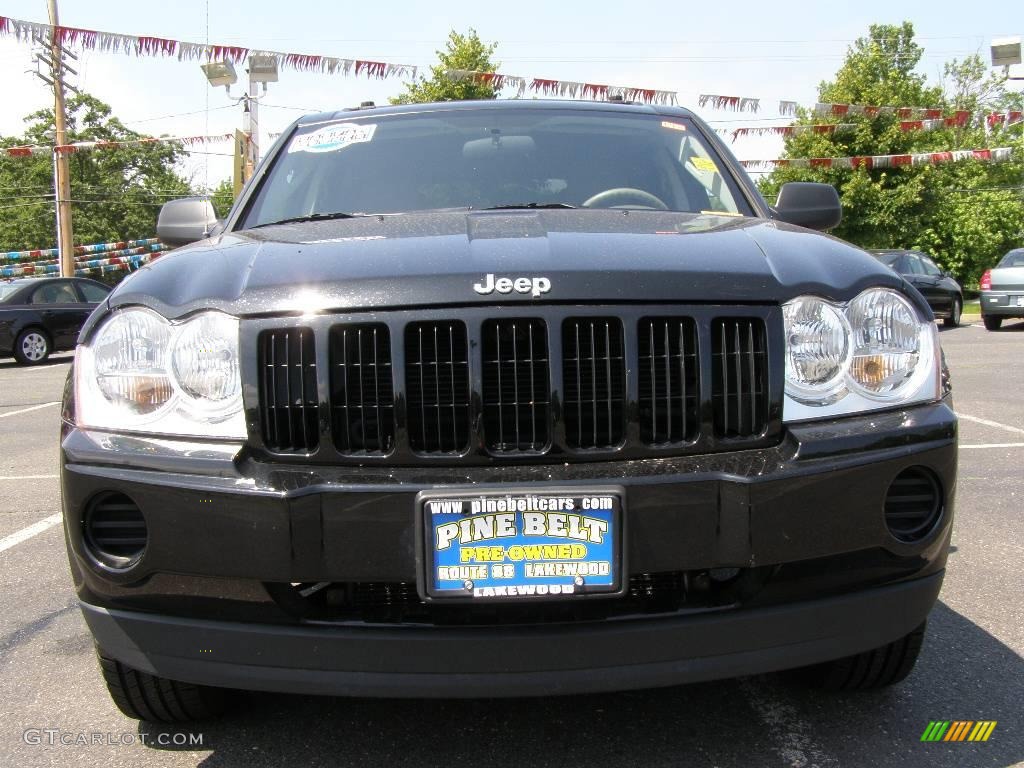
(521,546)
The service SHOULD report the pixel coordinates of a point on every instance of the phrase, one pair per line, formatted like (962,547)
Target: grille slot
(594,379)
(516,385)
(668,382)
(437,382)
(289,407)
(115,530)
(362,392)
(739,377)
(913,504)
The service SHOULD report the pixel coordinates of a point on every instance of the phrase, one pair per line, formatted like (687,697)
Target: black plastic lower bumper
(497,662)
(805,517)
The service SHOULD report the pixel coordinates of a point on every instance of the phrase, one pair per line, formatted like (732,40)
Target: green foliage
(116,193)
(965,214)
(223,197)
(467,52)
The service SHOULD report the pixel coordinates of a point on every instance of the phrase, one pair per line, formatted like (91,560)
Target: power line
(178,114)
(108,202)
(613,41)
(27,197)
(23,205)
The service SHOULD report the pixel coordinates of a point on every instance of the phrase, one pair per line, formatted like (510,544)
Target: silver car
(1002,290)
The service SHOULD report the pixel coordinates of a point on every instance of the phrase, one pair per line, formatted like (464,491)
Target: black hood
(431,259)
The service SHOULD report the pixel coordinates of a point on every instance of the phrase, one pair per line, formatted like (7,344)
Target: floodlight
(220,73)
(1006,52)
(262,69)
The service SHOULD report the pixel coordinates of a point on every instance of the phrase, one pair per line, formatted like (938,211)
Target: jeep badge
(534,285)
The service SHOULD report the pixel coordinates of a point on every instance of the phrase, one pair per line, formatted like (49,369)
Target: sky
(767,50)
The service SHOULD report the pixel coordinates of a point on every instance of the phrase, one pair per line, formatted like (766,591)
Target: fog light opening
(114,530)
(913,504)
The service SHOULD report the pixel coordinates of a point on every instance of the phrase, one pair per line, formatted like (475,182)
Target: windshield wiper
(312,217)
(538,206)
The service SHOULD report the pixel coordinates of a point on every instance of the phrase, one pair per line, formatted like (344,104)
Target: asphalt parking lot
(971,666)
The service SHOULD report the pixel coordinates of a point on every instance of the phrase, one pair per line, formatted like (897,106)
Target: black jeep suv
(505,398)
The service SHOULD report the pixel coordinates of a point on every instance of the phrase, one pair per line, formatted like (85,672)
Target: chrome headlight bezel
(177,409)
(850,395)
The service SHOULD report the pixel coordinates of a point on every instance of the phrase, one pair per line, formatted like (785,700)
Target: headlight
(887,343)
(142,373)
(817,350)
(875,352)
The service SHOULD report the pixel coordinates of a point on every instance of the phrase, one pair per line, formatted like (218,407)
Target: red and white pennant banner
(885,161)
(956,121)
(790,130)
(959,119)
(862,110)
(112,42)
(911,118)
(85,146)
(729,103)
(1004,118)
(565,88)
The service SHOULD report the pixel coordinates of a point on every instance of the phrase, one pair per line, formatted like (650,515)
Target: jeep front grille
(362,395)
(669,380)
(516,385)
(289,411)
(594,377)
(564,383)
(739,374)
(437,380)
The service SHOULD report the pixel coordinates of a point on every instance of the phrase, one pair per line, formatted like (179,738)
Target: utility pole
(251,124)
(62,183)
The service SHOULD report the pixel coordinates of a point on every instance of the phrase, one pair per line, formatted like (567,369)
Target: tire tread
(877,668)
(142,696)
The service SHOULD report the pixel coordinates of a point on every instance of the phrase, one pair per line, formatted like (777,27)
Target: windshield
(486,158)
(1013,259)
(888,257)
(7,289)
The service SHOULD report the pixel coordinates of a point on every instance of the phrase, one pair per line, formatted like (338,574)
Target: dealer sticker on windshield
(502,546)
(333,137)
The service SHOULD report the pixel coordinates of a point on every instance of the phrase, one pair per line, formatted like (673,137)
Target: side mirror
(185,221)
(807,204)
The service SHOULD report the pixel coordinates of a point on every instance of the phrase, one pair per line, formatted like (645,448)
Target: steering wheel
(611,198)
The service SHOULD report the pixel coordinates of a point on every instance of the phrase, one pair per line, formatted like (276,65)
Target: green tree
(966,214)
(116,192)
(223,197)
(461,51)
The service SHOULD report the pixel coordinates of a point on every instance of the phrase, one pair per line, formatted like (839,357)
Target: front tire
(954,314)
(876,668)
(32,347)
(142,696)
(992,323)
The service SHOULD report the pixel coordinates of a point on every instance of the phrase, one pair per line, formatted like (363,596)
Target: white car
(1002,290)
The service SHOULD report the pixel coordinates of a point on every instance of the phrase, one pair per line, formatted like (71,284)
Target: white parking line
(988,423)
(26,410)
(38,368)
(27,533)
(980,445)
(48,477)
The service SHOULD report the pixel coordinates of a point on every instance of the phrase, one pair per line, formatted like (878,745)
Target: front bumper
(805,515)
(500,662)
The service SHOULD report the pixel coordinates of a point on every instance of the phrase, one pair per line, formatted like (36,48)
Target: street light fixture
(220,73)
(1006,53)
(263,69)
